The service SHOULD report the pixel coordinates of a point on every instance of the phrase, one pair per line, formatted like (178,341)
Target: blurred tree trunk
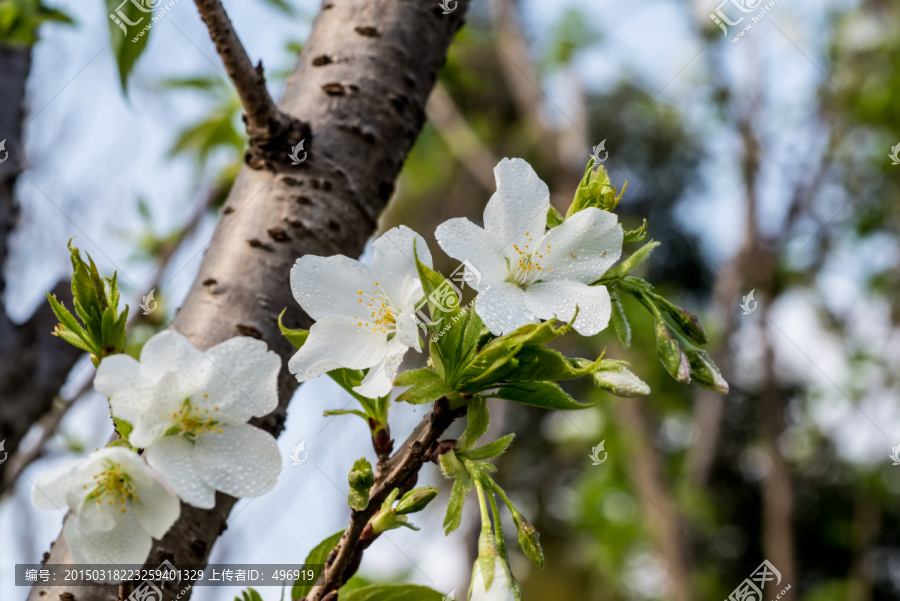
(33,366)
(361,84)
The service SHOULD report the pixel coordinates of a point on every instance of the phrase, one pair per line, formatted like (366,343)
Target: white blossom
(189,411)
(500,589)
(117,506)
(527,274)
(364,316)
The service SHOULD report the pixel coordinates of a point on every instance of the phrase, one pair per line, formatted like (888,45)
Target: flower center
(112,486)
(377,312)
(190,421)
(527,268)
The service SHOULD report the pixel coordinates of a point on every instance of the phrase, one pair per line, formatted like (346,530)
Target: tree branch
(270,129)
(361,82)
(400,471)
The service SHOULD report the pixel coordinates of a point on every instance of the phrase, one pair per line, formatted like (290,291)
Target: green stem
(498,527)
(476,476)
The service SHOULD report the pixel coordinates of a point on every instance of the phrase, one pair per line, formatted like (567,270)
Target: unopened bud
(529,539)
(361,480)
(669,352)
(687,322)
(385,519)
(416,500)
(621,382)
(706,373)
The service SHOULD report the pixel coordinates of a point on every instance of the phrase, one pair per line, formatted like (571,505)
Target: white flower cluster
(188,410)
(364,314)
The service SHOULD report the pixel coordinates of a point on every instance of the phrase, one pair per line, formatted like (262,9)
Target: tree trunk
(361,83)
(33,366)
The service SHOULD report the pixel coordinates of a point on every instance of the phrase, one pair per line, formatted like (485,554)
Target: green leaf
(626,266)
(295,337)
(393,592)
(620,321)
(538,363)
(123,427)
(478,418)
(69,328)
(427,386)
(554,217)
(490,450)
(443,303)
(281,5)
(462,486)
(540,394)
(120,442)
(317,556)
(126,44)
(637,235)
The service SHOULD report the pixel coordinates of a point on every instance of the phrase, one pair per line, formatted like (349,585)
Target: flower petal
(157,416)
(126,543)
(465,241)
(119,378)
(240,461)
(170,351)
(157,508)
(394,263)
(244,381)
(502,308)
(337,341)
(331,285)
(582,248)
(558,299)
(518,209)
(408,328)
(172,458)
(51,487)
(380,379)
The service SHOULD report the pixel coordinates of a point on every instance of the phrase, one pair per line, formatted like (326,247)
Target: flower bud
(669,352)
(621,382)
(385,519)
(416,500)
(706,373)
(361,480)
(687,322)
(529,539)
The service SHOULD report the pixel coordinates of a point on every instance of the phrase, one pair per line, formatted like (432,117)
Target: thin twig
(400,471)
(266,123)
